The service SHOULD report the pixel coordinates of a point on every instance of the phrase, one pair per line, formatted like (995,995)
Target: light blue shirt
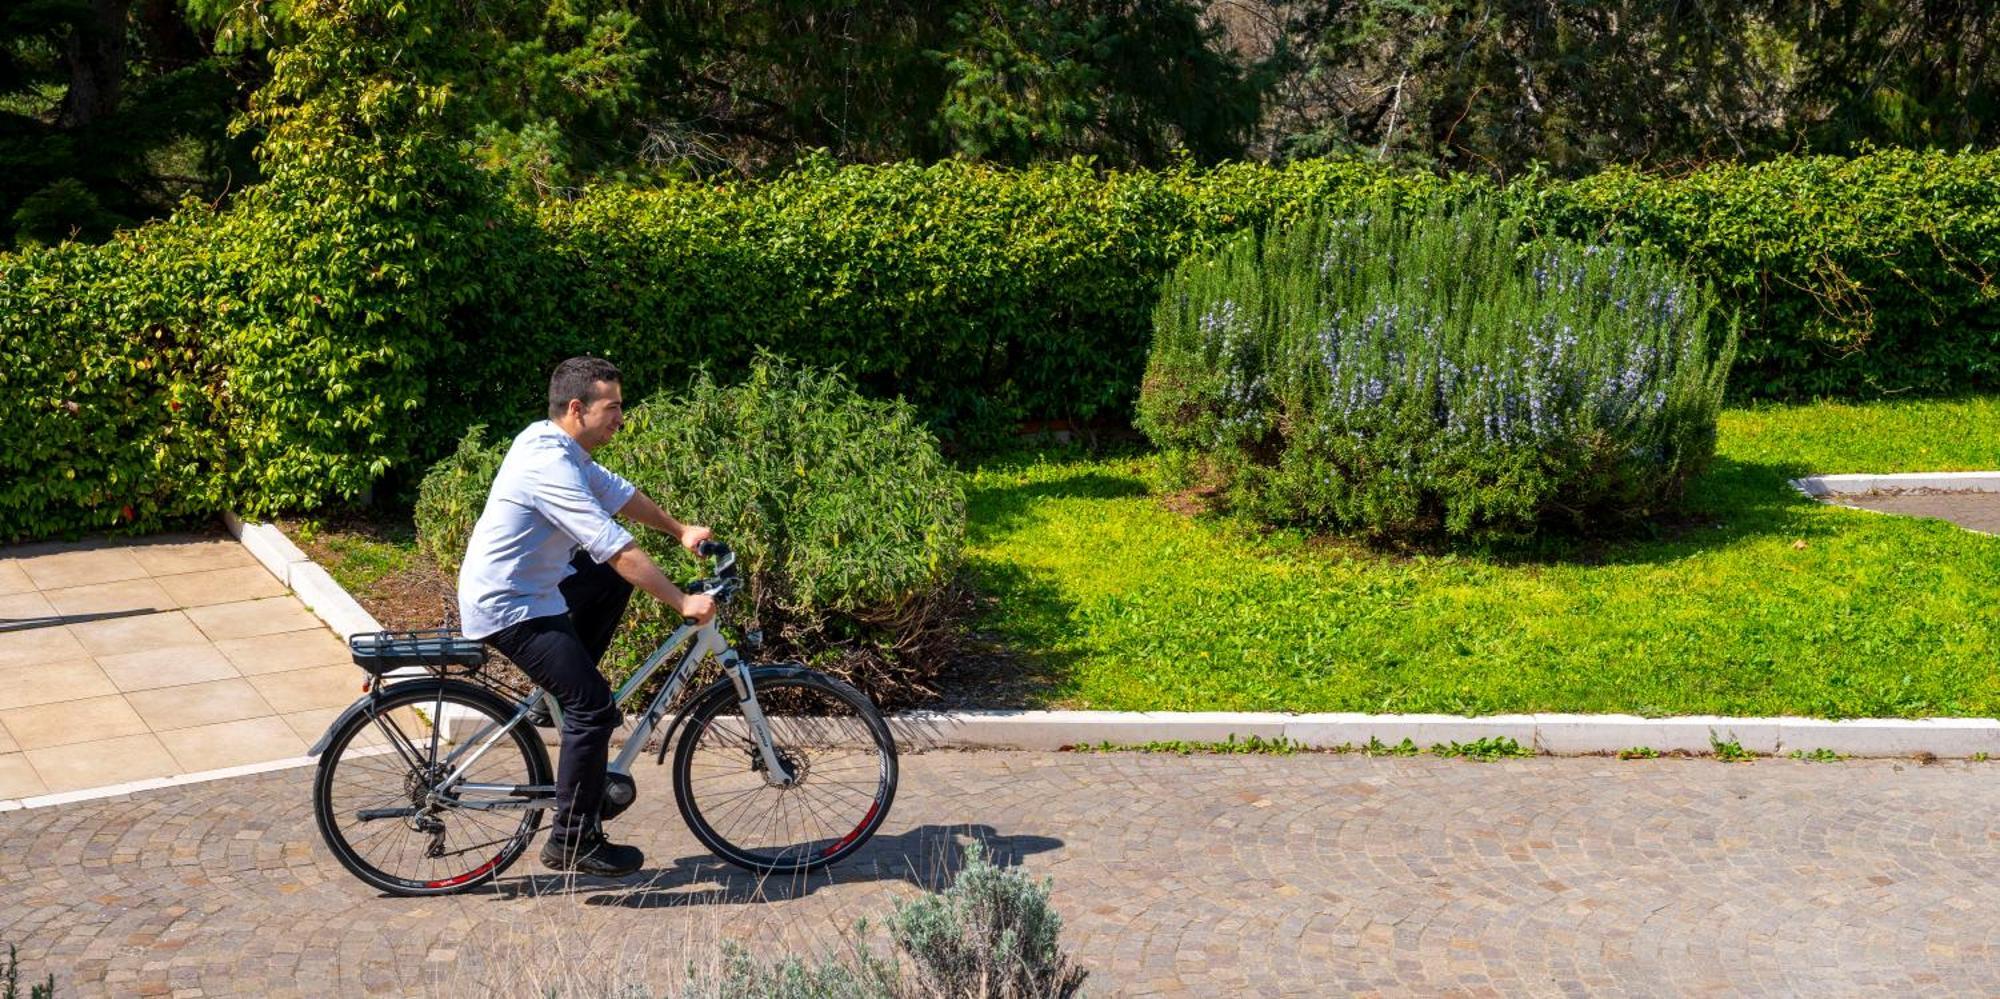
(549,500)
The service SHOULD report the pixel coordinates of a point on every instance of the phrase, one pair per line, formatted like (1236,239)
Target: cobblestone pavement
(1216,875)
(1978,511)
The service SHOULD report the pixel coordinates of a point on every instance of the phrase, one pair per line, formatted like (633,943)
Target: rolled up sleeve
(576,509)
(611,489)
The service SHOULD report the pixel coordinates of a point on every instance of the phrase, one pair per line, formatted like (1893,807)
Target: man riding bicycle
(546,578)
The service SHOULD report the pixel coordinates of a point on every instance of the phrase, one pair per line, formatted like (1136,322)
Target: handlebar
(723,584)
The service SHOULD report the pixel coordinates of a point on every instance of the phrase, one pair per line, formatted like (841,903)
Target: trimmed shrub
(1864,275)
(337,329)
(113,386)
(847,523)
(1400,372)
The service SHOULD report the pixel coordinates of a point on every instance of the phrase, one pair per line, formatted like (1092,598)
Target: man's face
(601,417)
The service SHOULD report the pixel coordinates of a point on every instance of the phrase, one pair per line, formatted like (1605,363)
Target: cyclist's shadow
(928,856)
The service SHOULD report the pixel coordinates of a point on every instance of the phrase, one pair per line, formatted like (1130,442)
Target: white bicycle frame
(707,640)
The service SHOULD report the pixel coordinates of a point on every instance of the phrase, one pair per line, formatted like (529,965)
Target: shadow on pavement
(928,856)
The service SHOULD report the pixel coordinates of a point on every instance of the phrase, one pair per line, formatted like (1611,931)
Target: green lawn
(1768,604)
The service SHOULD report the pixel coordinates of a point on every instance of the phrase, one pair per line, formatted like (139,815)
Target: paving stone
(100,762)
(232,743)
(170,558)
(47,683)
(112,597)
(33,646)
(284,651)
(80,565)
(17,776)
(1312,874)
(197,704)
(172,666)
(248,618)
(218,586)
(66,722)
(141,632)
(25,608)
(305,689)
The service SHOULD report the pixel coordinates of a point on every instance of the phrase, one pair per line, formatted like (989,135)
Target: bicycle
(778,769)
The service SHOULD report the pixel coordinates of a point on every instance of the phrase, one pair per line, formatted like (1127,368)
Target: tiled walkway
(1247,875)
(139,658)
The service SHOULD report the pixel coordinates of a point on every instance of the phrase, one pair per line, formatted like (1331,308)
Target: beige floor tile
(122,595)
(47,683)
(192,556)
(7,745)
(102,761)
(235,743)
(81,568)
(12,578)
(310,725)
(119,635)
(22,607)
(221,586)
(303,689)
(249,618)
(287,650)
(65,722)
(38,645)
(18,778)
(199,704)
(167,667)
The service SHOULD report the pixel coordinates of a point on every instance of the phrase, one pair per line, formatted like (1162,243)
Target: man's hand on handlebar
(697,608)
(692,535)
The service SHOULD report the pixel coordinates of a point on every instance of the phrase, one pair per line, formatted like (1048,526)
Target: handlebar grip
(711,548)
(688,621)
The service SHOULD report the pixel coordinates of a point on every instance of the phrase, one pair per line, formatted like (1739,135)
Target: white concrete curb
(1818,486)
(315,588)
(1556,734)
(151,783)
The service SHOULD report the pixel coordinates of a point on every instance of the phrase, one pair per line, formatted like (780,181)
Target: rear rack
(436,648)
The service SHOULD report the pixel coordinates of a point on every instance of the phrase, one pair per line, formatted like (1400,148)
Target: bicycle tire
(724,793)
(352,775)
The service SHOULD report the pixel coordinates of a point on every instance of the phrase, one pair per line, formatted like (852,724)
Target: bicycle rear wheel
(373,798)
(826,732)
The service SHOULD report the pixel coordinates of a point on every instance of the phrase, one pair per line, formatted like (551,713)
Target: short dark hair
(577,379)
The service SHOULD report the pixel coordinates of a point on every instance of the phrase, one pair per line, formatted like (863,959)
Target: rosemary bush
(1401,372)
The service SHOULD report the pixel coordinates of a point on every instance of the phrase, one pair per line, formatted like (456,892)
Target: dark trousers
(560,653)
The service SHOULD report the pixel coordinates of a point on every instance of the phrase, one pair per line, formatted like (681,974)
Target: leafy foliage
(1503,89)
(342,344)
(1861,276)
(111,112)
(1399,372)
(846,521)
(991,934)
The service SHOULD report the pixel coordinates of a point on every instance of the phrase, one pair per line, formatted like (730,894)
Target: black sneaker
(538,714)
(592,855)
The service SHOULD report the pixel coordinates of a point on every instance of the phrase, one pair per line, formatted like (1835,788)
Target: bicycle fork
(753,716)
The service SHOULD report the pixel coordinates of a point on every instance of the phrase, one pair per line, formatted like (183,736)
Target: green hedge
(1855,277)
(350,330)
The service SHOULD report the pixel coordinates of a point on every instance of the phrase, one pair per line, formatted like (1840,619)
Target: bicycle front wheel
(376,794)
(828,736)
